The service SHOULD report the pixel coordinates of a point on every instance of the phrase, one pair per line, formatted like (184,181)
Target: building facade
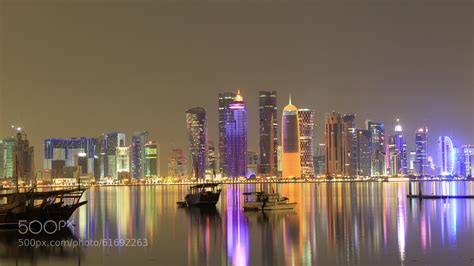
(377,132)
(306,123)
(236,138)
(268,133)
(349,145)
(291,153)
(334,151)
(177,164)
(364,152)
(224,112)
(397,152)
(421,165)
(139,140)
(152,159)
(446,156)
(196,121)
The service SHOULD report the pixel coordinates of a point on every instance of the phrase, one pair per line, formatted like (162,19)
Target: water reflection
(334,223)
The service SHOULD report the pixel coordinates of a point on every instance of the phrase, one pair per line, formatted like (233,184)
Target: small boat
(255,201)
(42,207)
(202,195)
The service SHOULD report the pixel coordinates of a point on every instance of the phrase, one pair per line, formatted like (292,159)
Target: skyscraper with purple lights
(422,167)
(397,152)
(446,156)
(225,99)
(196,121)
(236,138)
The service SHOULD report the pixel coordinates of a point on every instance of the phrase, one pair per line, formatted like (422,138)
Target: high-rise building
(306,123)
(364,152)
(196,121)
(290,141)
(349,145)
(320,159)
(152,159)
(122,162)
(7,149)
(177,164)
(279,155)
(377,131)
(397,152)
(139,140)
(334,151)
(107,147)
(236,138)
(224,112)
(411,164)
(466,161)
(252,162)
(268,133)
(421,166)
(446,156)
(212,158)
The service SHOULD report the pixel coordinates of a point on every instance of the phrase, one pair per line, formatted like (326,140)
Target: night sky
(86,67)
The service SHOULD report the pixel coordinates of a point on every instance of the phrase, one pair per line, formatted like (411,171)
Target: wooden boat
(56,206)
(202,195)
(254,201)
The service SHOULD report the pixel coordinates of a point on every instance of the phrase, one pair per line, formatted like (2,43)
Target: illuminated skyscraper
(122,162)
(377,132)
(446,156)
(236,138)
(466,161)
(320,159)
(139,140)
(364,152)
(212,158)
(422,167)
(7,148)
(107,147)
(291,155)
(397,152)
(268,133)
(196,121)
(177,164)
(349,145)
(152,159)
(224,100)
(306,121)
(334,151)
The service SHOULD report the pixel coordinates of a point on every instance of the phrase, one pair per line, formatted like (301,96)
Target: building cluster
(286,151)
(106,158)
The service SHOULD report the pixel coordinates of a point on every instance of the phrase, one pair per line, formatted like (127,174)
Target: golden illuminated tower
(290,131)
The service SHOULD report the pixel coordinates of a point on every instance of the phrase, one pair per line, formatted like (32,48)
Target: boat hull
(204,199)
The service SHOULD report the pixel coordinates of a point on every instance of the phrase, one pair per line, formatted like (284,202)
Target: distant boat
(202,195)
(56,206)
(255,201)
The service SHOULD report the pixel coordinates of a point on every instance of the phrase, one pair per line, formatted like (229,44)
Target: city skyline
(322,63)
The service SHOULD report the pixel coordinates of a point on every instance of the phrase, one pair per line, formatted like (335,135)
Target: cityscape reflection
(334,222)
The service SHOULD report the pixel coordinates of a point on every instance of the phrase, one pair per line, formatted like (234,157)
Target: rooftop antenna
(290,99)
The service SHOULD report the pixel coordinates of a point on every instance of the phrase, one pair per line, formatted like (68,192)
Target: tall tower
(236,138)
(334,151)
(364,152)
(446,156)
(224,112)
(139,139)
(377,132)
(422,167)
(196,121)
(108,144)
(268,133)
(152,159)
(349,145)
(397,152)
(291,157)
(306,121)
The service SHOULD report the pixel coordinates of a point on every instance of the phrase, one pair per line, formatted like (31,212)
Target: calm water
(334,223)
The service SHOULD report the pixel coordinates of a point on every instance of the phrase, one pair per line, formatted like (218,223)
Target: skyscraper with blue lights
(446,156)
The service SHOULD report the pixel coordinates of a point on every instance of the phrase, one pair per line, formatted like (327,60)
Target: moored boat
(255,201)
(202,195)
(47,206)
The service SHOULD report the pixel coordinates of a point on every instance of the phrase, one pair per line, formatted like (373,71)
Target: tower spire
(289,99)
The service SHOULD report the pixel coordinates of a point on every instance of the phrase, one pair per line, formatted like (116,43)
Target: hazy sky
(82,68)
